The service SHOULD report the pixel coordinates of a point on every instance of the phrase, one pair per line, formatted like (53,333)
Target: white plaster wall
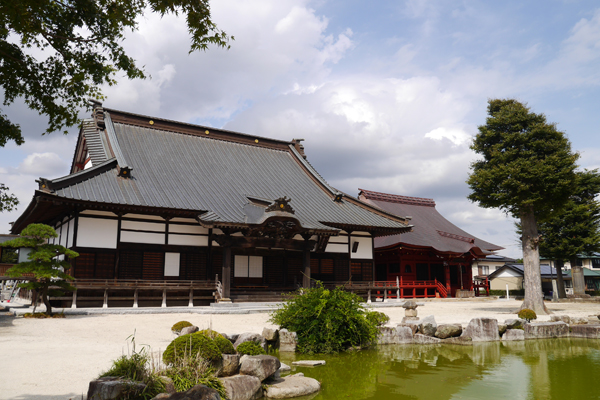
(365,248)
(255,267)
(197,229)
(338,239)
(172,264)
(189,220)
(187,240)
(508,273)
(143,226)
(102,213)
(142,237)
(336,248)
(143,216)
(96,232)
(71,232)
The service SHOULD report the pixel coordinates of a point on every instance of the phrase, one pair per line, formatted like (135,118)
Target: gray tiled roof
(431,228)
(217,177)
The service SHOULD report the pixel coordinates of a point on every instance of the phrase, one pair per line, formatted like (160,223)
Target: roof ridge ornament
(281,204)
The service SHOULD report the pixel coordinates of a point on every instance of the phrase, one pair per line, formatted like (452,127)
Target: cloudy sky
(387,94)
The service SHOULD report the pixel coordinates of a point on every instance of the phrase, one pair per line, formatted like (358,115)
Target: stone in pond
(292,386)
(242,387)
(198,392)
(309,363)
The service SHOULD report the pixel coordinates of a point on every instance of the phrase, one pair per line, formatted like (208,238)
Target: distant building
(435,249)
(482,267)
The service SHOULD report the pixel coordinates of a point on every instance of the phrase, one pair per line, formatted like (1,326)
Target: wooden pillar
(226,272)
(306,266)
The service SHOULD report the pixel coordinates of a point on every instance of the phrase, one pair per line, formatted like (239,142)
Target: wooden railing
(398,289)
(109,286)
(481,284)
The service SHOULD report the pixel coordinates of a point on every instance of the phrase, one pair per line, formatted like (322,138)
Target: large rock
(292,386)
(585,331)
(578,321)
(514,335)
(259,366)
(514,323)
(410,305)
(413,325)
(448,330)
(270,335)
(564,318)
(288,341)
(482,330)
(428,326)
(111,387)
(189,329)
(198,392)
(231,365)
(545,330)
(502,328)
(398,335)
(309,363)
(251,337)
(242,387)
(424,339)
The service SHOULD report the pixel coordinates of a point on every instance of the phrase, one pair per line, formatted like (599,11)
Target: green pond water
(533,369)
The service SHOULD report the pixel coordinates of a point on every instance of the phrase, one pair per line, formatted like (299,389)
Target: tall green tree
(56,54)
(574,230)
(8,201)
(527,169)
(47,263)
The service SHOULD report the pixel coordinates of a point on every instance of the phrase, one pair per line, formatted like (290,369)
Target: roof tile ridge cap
(312,170)
(396,198)
(55,184)
(113,142)
(194,126)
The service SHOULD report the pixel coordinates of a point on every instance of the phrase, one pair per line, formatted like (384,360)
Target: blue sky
(387,94)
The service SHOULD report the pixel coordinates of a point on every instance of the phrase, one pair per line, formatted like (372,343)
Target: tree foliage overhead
(8,201)
(47,263)
(526,161)
(55,54)
(576,229)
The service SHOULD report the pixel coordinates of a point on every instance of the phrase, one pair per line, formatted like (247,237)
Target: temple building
(435,251)
(150,200)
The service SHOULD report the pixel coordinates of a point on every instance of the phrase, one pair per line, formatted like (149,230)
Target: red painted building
(435,249)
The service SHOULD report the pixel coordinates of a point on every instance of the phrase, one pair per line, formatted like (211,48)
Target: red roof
(431,229)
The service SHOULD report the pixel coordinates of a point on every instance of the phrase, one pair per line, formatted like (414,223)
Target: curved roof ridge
(395,198)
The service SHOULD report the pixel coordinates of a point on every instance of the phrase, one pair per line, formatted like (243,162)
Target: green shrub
(378,318)
(326,321)
(178,326)
(210,333)
(251,349)
(527,314)
(191,345)
(224,345)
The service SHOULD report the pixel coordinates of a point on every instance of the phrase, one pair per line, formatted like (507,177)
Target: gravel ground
(56,358)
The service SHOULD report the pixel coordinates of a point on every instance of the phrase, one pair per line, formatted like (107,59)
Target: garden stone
(259,366)
(309,363)
(564,318)
(399,334)
(251,337)
(288,341)
(448,330)
(292,386)
(408,320)
(501,329)
(410,305)
(578,321)
(514,323)
(270,335)
(482,330)
(189,329)
(112,387)
(428,326)
(284,368)
(410,312)
(585,331)
(424,339)
(231,365)
(514,335)
(198,392)
(242,387)
(593,319)
(413,325)
(232,337)
(543,330)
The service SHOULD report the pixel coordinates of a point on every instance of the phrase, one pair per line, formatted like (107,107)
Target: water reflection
(537,369)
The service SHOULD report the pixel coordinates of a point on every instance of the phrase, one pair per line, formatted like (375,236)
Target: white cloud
(42,164)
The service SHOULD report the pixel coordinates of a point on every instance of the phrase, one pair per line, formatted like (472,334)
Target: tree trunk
(560,282)
(577,276)
(46,301)
(532,280)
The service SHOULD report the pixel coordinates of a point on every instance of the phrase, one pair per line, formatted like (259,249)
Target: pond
(532,369)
